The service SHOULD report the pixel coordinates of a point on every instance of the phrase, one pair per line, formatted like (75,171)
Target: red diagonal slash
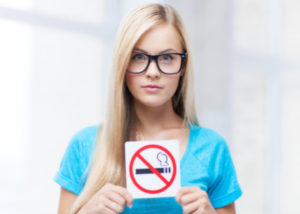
(152,169)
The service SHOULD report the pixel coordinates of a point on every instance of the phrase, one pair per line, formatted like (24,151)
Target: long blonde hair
(120,119)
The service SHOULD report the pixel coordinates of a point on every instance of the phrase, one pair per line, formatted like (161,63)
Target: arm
(229,209)
(66,201)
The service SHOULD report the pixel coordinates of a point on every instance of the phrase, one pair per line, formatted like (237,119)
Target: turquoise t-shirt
(206,163)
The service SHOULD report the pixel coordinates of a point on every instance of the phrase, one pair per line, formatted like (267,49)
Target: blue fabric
(206,163)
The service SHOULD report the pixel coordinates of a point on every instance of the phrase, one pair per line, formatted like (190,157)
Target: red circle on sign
(137,153)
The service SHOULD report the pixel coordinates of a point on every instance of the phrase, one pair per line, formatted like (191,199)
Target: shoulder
(210,155)
(74,166)
(206,137)
(82,143)
(86,133)
(85,136)
(208,143)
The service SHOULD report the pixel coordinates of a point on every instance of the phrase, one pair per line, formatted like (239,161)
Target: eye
(139,57)
(166,57)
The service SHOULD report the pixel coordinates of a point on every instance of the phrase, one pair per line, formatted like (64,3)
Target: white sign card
(152,168)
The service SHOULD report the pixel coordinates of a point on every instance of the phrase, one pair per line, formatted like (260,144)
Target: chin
(153,103)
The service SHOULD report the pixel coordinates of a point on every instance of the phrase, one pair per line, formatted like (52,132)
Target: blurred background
(54,63)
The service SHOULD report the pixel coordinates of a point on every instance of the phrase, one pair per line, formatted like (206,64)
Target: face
(153,88)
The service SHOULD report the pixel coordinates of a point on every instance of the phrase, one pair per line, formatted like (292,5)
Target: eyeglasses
(167,63)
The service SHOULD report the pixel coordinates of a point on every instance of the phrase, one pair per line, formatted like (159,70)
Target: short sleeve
(224,188)
(73,167)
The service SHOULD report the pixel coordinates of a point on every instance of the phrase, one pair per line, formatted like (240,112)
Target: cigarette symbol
(148,171)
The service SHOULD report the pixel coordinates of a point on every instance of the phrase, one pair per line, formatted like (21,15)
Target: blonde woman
(151,98)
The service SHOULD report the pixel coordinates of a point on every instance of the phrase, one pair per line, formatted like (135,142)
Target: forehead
(160,38)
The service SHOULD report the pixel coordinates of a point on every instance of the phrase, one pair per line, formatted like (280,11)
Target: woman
(151,98)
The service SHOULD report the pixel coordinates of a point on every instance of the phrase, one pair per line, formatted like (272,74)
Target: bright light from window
(15,75)
(17,4)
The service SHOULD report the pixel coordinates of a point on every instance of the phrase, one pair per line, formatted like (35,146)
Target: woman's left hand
(194,201)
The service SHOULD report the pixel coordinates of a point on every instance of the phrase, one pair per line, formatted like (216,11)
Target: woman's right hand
(110,199)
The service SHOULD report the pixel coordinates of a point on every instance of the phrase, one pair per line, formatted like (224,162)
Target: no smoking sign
(152,168)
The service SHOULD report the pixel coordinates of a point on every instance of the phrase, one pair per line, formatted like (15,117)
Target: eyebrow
(164,51)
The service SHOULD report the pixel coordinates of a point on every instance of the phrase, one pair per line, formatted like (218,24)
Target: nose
(152,70)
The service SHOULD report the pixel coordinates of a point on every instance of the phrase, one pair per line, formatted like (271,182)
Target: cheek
(173,85)
(131,82)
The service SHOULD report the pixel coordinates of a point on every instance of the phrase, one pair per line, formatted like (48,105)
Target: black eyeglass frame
(155,57)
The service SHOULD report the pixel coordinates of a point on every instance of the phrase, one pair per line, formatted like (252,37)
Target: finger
(117,198)
(114,207)
(190,197)
(103,208)
(108,188)
(108,211)
(125,194)
(185,190)
(110,205)
(191,207)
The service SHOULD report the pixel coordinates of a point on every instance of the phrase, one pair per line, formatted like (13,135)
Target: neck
(152,120)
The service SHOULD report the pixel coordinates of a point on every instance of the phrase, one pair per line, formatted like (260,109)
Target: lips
(152,88)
